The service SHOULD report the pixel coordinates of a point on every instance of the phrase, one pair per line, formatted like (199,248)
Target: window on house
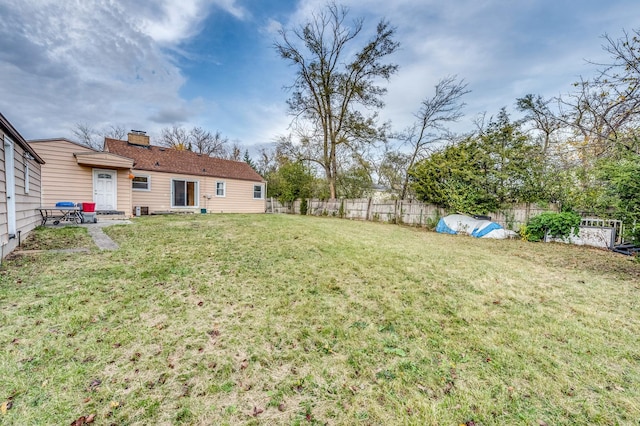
(185,193)
(141,183)
(220,189)
(26,176)
(257,192)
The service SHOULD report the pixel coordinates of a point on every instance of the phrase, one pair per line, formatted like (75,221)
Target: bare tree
(544,119)
(393,170)
(267,161)
(175,137)
(88,136)
(605,111)
(235,153)
(435,112)
(204,142)
(197,140)
(115,132)
(332,88)
(622,78)
(598,116)
(93,138)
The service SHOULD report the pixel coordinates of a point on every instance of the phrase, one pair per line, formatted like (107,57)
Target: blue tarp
(443,228)
(481,232)
(479,228)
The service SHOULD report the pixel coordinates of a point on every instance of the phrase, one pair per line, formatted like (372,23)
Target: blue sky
(211,63)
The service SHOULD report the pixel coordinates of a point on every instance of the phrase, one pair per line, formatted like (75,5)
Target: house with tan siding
(170,180)
(20,183)
(76,173)
(134,176)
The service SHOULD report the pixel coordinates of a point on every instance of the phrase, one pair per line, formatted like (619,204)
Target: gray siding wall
(27,215)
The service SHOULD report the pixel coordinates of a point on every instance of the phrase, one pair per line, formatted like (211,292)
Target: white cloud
(273,27)
(175,21)
(96,62)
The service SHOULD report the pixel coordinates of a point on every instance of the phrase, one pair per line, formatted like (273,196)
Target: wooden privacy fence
(408,212)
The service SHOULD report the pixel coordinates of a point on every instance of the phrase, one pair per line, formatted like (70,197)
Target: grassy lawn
(274,319)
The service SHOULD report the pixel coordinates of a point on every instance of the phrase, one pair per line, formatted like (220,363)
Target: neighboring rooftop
(169,160)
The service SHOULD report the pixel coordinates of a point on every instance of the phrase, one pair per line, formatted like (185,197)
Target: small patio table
(59,214)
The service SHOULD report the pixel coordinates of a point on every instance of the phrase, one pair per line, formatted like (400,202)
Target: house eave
(103,159)
(187,173)
(17,137)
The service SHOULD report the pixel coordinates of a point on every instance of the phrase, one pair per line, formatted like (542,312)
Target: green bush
(557,225)
(304,206)
(431,222)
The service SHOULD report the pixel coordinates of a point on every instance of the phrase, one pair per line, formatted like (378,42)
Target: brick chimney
(138,137)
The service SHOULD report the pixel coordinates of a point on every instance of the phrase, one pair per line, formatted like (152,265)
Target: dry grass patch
(262,319)
(64,237)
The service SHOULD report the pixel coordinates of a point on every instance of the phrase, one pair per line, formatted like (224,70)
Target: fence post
(395,211)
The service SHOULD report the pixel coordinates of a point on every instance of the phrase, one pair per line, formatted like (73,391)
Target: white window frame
(196,195)
(10,185)
(142,189)
(224,188)
(261,186)
(27,176)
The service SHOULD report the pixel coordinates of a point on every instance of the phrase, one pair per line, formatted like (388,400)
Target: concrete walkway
(101,239)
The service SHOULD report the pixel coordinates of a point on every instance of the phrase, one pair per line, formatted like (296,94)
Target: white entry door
(104,189)
(10,180)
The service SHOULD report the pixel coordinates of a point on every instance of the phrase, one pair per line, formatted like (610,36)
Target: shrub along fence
(408,212)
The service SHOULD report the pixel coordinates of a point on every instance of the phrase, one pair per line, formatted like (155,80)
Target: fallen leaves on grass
(82,420)
(5,406)
(95,383)
(162,379)
(186,390)
(257,411)
(448,388)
